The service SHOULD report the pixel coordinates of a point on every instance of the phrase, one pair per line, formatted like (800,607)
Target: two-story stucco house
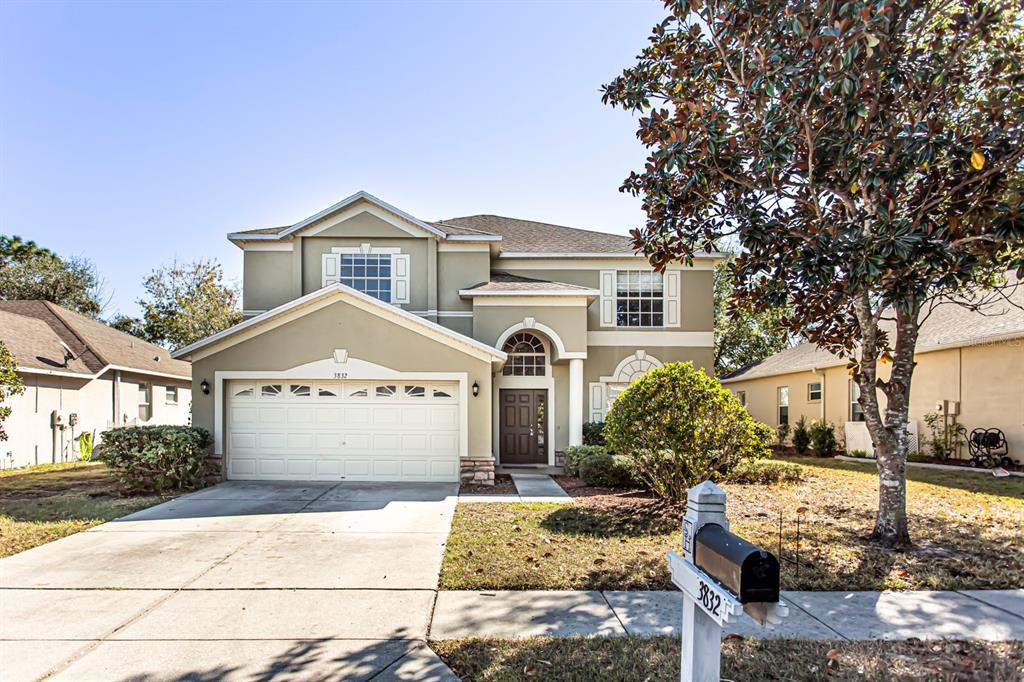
(378,346)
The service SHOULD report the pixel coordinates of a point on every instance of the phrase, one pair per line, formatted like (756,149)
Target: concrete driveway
(239,581)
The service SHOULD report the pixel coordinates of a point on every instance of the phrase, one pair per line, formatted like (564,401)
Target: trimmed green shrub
(577,453)
(823,439)
(680,427)
(158,458)
(801,436)
(593,433)
(764,471)
(609,471)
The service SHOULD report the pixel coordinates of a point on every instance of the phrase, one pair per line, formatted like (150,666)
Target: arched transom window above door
(526,356)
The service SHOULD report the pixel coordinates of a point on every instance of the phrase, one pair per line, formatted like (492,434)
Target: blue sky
(136,133)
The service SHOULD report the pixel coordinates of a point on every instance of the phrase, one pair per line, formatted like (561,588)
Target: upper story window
(526,356)
(370,274)
(379,271)
(639,299)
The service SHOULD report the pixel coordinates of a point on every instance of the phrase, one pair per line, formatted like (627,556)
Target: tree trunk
(889,435)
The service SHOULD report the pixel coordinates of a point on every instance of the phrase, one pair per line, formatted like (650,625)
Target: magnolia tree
(865,155)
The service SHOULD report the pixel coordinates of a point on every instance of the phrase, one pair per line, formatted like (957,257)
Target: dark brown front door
(523,426)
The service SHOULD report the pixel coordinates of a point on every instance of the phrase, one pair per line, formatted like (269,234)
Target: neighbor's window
(171,395)
(783,405)
(814,392)
(639,299)
(369,273)
(742,397)
(145,403)
(525,356)
(856,411)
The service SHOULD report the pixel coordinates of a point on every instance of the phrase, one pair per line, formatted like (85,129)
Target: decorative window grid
(639,299)
(526,356)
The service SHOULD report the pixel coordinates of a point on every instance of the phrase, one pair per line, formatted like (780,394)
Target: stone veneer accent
(214,470)
(477,470)
(559,458)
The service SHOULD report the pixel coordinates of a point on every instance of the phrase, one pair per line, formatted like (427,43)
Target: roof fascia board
(473,238)
(622,254)
(575,293)
(326,296)
(348,201)
(106,368)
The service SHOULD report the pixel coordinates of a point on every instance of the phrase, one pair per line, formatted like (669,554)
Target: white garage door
(343,430)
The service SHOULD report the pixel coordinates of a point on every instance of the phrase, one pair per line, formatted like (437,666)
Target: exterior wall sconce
(476,389)
(205,387)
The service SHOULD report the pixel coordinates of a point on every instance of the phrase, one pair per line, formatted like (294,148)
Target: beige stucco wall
(460,270)
(366,337)
(267,279)
(762,397)
(985,379)
(697,300)
(569,322)
(420,266)
(30,436)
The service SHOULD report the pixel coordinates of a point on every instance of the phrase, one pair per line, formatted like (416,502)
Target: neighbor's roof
(505,283)
(948,325)
(529,236)
(34,331)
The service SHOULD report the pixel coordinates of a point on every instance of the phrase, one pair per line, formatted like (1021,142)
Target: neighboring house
(82,376)
(970,369)
(378,346)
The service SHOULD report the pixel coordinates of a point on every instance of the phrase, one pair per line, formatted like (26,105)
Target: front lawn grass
(653,659)
(45,503)
(966,529)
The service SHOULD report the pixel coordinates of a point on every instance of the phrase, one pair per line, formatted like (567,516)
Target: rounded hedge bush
(681,427)
(609,471)
(575,454)
(158,458)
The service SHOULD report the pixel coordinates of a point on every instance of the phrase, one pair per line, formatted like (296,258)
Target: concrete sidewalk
(970,615)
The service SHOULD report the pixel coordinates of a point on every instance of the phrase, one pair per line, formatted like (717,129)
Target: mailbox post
(721,576)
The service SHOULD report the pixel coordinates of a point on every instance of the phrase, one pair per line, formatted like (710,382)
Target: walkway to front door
(523,426)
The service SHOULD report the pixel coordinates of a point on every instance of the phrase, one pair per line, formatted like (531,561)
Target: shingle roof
(505,282)
(34,330)
(264,230)
(528,236)
(948,325)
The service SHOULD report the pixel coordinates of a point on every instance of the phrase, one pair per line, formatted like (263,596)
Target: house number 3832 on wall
(711,601)
(341,375)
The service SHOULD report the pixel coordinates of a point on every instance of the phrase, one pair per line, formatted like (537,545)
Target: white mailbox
(722,576)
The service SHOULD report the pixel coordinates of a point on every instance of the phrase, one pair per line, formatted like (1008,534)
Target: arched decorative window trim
(604,392)
(527,355)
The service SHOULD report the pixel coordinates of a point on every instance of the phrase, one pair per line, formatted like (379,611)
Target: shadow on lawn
(611,521)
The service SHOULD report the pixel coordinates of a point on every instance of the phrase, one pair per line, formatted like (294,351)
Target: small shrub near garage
(575,454)
(158,458)
(608,471)
(764,472)
(823,438)
(680,427)
(593,433)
